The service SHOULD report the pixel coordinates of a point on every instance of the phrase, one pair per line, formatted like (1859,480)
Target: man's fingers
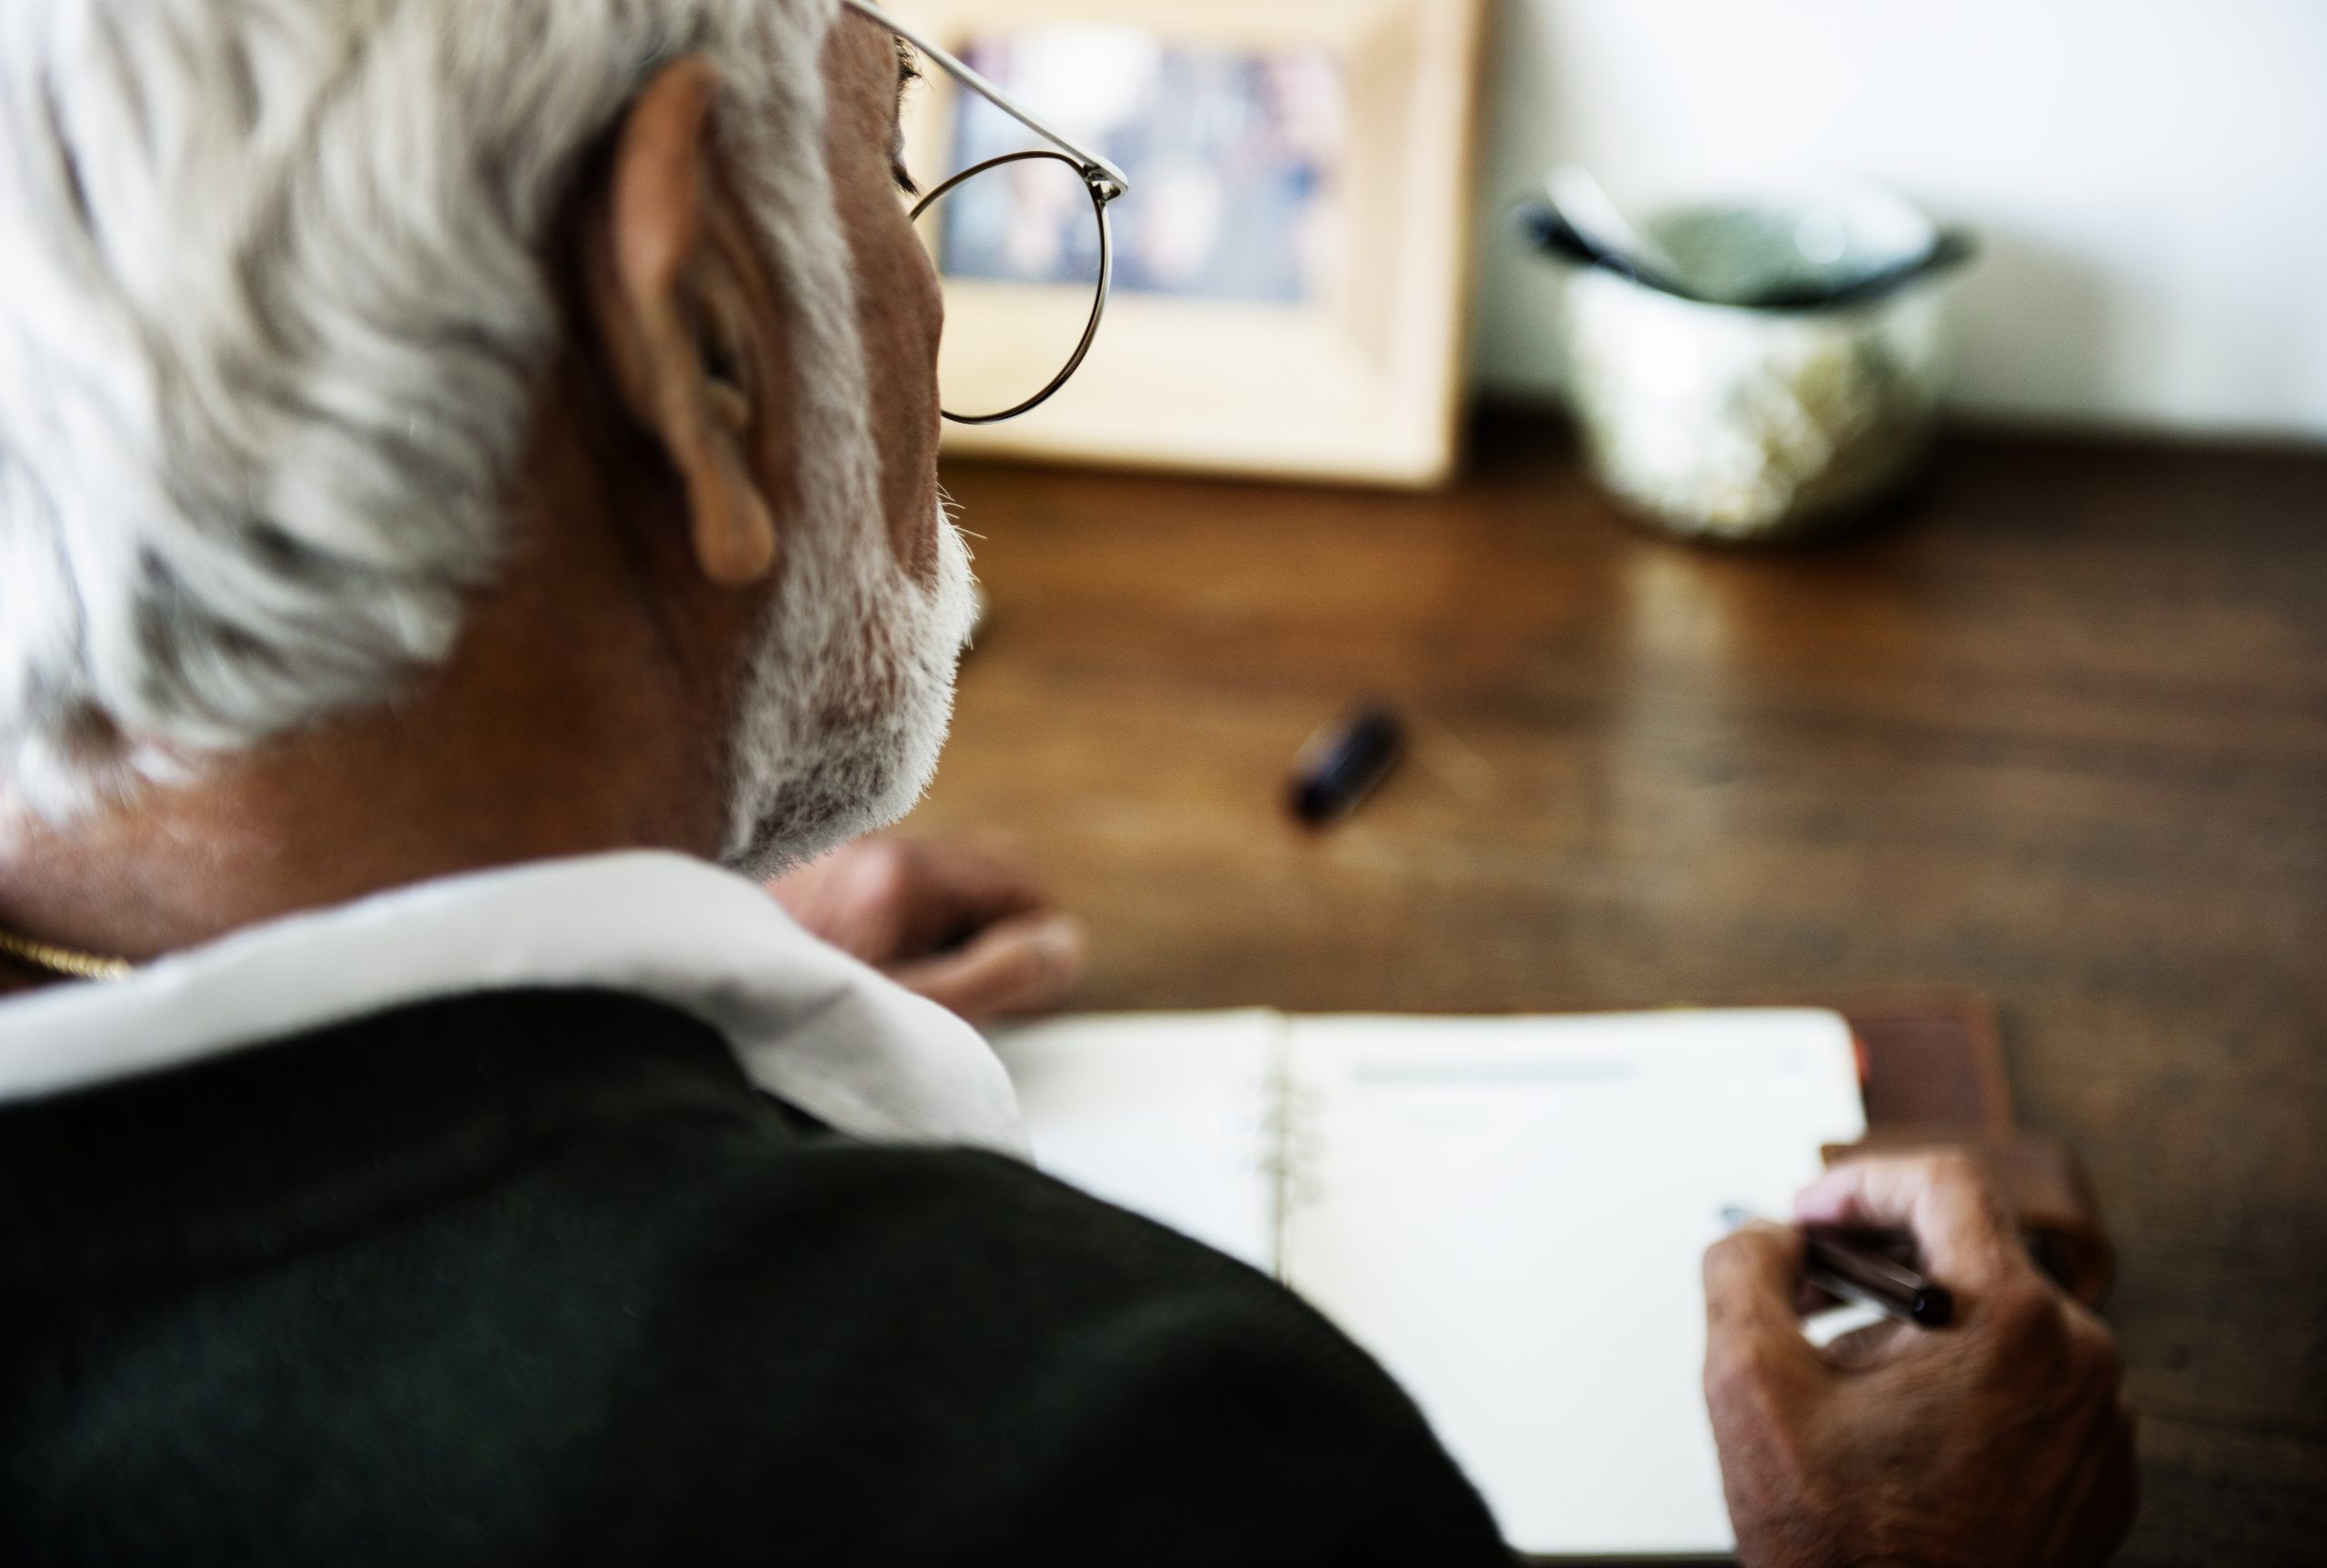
(952,889)
(1945,1200)
(987,876)
(1019,966)
(1752,1278)
(893,899)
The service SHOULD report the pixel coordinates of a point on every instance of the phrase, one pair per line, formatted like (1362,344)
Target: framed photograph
(1290,267)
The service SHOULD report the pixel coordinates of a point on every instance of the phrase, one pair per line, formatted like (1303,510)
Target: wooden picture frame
(1361,382)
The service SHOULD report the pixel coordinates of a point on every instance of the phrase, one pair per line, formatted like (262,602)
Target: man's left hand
(964,922)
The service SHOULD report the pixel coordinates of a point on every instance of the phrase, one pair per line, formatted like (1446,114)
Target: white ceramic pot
(1736,422)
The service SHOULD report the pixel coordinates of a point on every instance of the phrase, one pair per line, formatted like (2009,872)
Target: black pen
(1854,1273)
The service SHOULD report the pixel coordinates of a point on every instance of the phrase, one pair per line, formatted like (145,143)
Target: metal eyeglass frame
(1105,182)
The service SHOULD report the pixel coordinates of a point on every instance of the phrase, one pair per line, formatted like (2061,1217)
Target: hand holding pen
(1849,1268)
(1957,1447)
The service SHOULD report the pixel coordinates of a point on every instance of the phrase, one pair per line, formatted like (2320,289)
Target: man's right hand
(2002,1441)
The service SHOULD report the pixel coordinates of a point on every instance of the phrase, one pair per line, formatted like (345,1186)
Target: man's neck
(305,831)
(495,761)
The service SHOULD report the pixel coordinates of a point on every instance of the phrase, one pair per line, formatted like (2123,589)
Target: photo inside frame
(1290,262)
(1238,155)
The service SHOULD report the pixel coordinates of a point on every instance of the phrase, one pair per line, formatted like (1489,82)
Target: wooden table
(2057,733)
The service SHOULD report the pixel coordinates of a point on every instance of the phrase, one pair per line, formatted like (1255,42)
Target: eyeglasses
(1021,227)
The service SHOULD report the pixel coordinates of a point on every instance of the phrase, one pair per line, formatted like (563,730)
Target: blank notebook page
(1509,1213)
(1512,1214)
(1162,1113)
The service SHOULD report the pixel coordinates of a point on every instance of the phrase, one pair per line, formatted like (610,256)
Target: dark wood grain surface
(2057,733)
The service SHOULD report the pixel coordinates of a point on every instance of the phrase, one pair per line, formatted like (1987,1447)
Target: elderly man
(466,467)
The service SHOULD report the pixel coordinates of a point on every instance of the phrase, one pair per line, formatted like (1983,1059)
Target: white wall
(2150,175)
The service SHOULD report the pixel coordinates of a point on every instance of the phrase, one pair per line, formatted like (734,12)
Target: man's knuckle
(1956,1170)
(2094,1355)
(2026,1327)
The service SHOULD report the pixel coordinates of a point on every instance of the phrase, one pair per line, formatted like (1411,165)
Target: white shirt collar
(808,1024)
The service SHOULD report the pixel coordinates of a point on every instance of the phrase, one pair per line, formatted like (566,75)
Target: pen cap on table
(1343,764)
(1791,383)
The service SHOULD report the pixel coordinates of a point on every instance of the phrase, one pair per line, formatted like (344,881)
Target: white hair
(273,316)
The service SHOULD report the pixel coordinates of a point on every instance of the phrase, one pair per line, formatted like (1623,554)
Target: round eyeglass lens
(1023,249)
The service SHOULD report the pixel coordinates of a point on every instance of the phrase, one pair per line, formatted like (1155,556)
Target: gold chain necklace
(64,960)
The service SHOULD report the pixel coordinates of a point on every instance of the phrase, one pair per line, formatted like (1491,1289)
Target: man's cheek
(931,295)
(904,405)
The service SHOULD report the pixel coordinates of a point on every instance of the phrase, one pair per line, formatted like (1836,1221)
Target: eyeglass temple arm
(1095,168)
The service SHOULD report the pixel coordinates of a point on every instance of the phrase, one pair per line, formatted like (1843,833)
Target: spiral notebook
(1509,1213)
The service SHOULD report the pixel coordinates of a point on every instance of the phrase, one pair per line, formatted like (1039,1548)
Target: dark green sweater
(537,1277)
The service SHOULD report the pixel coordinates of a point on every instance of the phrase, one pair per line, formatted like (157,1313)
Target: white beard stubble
(848,698)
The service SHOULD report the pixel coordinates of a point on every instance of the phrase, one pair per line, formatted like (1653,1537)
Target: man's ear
(684,340)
